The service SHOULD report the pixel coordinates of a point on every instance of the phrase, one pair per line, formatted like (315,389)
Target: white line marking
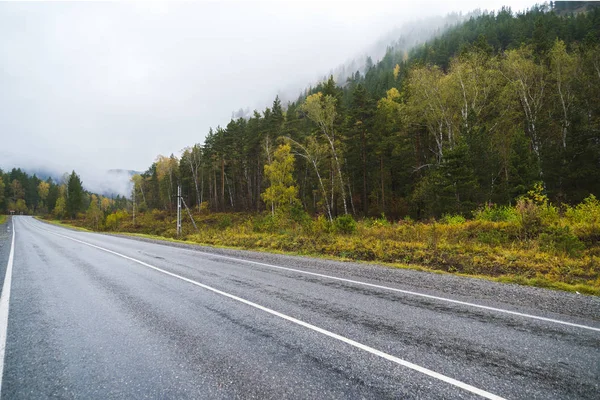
(428,296)
(4,299)
(351,342)
(464,303)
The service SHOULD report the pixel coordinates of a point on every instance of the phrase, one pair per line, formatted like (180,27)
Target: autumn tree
(166,170)
(282,194)
(94,213)
(60,208)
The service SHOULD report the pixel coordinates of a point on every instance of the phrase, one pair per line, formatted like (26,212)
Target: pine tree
(74,200)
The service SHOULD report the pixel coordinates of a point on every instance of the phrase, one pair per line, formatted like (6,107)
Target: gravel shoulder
(5,243)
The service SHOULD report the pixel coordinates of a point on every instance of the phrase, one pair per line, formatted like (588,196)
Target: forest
(483,139)
(475,117)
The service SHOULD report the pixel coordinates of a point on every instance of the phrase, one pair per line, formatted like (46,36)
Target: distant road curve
(100,316)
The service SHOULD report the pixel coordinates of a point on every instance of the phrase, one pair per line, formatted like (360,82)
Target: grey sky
(94,86)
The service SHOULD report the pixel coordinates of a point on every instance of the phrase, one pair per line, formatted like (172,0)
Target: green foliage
(74,199)
(493,237)
(449,219)
(322,225)
(60,209)
(282,195)
(114,220)
(344,224)
(224,222)
(266,223)
(382,221)
(496,213)
(587,211)
(561,240)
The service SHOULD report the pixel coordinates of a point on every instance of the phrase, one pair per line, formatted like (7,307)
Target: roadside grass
(534,245)
(2,219)
(64,224)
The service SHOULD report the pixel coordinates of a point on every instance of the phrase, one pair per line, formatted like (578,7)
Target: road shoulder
(5,244)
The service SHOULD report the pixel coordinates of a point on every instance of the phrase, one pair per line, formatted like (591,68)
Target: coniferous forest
(476,152)
(476,116)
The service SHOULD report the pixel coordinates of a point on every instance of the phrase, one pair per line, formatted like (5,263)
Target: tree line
(477,116)
(22,193)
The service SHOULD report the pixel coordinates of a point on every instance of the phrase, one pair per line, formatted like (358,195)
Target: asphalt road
(99,317)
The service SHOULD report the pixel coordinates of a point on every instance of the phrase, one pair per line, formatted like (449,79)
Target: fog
(97,86)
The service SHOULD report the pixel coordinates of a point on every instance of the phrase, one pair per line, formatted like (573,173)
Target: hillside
(473,117)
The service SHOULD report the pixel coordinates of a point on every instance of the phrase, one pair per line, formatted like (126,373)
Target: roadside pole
(178,210)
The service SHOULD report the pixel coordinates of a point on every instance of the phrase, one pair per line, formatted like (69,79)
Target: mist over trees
(475,116)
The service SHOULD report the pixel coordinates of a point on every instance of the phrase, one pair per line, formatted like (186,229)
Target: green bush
(562,241)
(224,222)
(299,215)
(496,214)
(344,224)
(377,222)
(587,211)
(530,218)
(453,219)
(321,225)
(493,237)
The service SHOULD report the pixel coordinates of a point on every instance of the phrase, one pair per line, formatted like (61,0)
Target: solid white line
(351,342)
(428,296)
(4,299)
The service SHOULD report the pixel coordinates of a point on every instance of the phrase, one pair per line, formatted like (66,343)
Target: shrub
(266,223)
(321,225)
(493,237)
(377,222)
(224,222)
(453,219)
(587,211)
(344,224)
(299,215)
(114,220)
(496,214)
(561,240)
(530,218)
(204,207)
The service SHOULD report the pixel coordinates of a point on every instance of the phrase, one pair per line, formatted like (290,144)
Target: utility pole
(133,203)
(178,210)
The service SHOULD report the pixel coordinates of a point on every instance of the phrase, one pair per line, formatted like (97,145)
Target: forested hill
(476,116)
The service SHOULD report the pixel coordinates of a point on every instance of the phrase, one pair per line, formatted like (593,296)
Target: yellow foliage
(396,71)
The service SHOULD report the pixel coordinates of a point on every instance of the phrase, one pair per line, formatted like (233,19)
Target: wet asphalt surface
(84,323)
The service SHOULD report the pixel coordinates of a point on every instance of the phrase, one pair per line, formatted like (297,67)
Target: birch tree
(563,68)
(321,110)
(528,82)
(192,156)
(282,193)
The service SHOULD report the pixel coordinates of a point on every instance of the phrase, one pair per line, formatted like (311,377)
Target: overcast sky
(95,86)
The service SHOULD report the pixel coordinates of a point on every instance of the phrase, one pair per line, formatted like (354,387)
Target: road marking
(325,332)
(428,296)
(4,299)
